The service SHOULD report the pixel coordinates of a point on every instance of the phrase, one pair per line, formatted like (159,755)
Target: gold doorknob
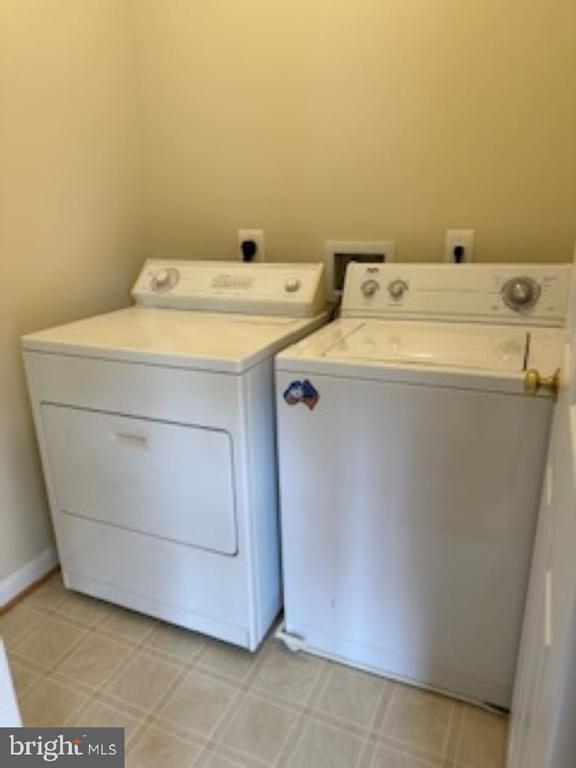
(534,382)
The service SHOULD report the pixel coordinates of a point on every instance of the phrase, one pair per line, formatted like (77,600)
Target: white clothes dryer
(157,435)
(411,456)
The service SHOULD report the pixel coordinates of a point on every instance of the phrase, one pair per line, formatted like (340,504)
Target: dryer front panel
(168,480)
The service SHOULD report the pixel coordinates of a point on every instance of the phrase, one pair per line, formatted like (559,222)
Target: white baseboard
(21,579)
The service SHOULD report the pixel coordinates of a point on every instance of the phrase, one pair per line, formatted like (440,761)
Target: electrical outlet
(459,246)
(255,236)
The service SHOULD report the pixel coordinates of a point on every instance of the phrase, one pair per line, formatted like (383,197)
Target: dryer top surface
(200,340)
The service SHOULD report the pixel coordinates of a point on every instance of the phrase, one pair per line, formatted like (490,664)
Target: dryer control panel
(501,293)
(296,290)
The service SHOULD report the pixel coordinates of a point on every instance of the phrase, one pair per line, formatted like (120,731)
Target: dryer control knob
(165,279)
(369,288)
(520,293)
(397,289)
(292,284)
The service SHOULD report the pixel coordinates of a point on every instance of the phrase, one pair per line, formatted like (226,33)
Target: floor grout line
(378,716)
(297,731)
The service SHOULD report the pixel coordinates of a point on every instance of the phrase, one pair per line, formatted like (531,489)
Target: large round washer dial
(165,279)
(520,293)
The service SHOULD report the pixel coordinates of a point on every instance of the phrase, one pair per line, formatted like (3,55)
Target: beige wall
(67,210)
(360,119)
(312,119)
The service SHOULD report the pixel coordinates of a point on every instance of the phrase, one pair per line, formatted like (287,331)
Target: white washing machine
(411,460)
(157,434)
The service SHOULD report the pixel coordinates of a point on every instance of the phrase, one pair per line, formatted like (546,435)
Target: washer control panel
(500,293)
(279,289)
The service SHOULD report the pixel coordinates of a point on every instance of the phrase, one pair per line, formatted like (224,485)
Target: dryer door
(173,481)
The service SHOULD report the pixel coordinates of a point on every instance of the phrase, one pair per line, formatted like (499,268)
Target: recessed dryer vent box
(339,253)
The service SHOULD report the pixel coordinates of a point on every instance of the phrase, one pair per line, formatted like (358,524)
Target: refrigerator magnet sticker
(302,392)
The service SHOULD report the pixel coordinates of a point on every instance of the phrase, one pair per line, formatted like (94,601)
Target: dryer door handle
(131,438)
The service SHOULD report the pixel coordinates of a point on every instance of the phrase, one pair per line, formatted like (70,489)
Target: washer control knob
(292,284)
(397,289)
(520,293)
(369,288)
(165,279)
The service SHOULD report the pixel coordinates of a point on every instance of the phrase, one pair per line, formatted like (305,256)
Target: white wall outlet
(338,253)
(245,238)
(459,246)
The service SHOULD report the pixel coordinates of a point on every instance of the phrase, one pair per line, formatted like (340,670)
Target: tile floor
(186,700)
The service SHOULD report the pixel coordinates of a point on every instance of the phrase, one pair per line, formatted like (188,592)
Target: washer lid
(458,346)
